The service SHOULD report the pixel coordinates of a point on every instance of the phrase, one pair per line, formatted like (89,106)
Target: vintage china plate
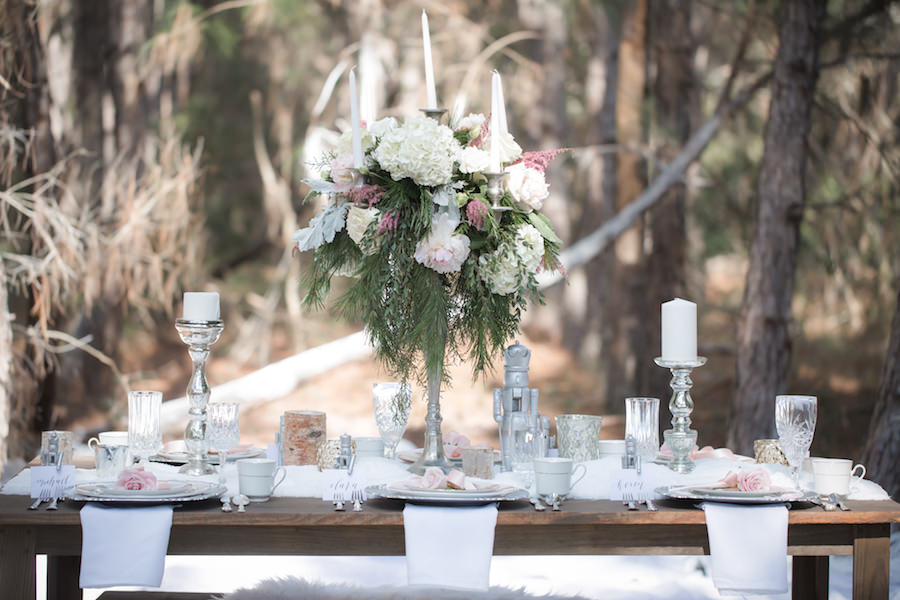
(180,457)
(447,497)
(679,492)
(110,488)
(191,491)
(495,489)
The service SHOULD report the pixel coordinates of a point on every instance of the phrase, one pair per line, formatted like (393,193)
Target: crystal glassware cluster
(391,402)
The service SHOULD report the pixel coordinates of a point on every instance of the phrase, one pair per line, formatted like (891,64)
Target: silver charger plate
(198,490)
(180,457)
(448,497)
(680,492)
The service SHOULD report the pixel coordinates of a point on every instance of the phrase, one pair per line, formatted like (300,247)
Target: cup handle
(95,442)
(279,482)
(861,475)
(580,477)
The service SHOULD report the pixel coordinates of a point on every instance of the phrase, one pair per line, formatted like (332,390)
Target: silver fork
(835,499)
(628,500)
(357,499)
(37,503)
(53,503)
(338,500)
(651,506)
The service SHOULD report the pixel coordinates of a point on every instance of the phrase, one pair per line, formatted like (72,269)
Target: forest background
(743,154)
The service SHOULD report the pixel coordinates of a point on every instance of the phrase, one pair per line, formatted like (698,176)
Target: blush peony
(344,176)
(443,250)
(473,160)
(358,220)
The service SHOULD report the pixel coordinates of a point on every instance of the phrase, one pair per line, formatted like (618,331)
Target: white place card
(628,482)
(339,479)
(50,482)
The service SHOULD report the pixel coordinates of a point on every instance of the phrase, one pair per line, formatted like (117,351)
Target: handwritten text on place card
(50,482)
(339,479)
(628,483)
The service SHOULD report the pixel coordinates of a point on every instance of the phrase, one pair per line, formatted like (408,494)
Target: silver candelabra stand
(495,190)
(199,336)
(434,113)
(681,438)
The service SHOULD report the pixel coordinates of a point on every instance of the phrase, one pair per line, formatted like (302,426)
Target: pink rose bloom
(453,443)
(434,479)
(136,479)
(443,250)
(729,481)
(344,176)
(456,479)
(756,480)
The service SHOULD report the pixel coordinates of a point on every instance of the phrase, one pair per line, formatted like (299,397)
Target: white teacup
(553,475)
(256,478)
(369,446)
(109,438)
(834,475)
(611,448)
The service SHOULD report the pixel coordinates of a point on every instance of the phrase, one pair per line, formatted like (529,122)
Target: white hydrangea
(527,186)
(382,126)
(473,160)
(345,142)
(358,220)
(443,250)
(509,267)
(420,149)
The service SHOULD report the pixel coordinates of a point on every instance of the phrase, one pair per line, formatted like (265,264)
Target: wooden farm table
(305,526)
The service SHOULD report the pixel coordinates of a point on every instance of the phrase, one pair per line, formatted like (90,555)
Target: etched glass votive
(478,462)
(577,436)
(642,422)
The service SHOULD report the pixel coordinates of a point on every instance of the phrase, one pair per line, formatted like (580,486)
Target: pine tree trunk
(764,337)
(673,47)
(882,452)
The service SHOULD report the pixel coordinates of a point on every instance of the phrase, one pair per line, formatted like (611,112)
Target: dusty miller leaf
(322,228)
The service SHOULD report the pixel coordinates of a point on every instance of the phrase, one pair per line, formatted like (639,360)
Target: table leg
(17,570)
(62,578)
(872,561)
(810,577)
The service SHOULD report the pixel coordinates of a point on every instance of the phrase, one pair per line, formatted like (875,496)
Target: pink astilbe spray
(388,223)
(476,211)
(366,196)
(539,160)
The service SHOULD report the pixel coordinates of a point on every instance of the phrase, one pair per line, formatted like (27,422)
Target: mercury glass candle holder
(199,337)
(681,438)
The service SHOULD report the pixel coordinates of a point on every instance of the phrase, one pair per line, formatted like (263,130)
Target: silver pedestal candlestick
(495,190)
(433,447)
(434,113)
(681,438)
(199,336)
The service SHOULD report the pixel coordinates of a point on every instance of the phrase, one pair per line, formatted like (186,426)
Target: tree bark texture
(672,48)
(764,336)
(882,452)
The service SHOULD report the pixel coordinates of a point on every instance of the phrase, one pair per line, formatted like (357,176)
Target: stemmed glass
(144,435)
(795,421)
(222,431)
(391,401)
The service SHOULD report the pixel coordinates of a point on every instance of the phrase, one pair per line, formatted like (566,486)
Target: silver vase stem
(434,113)
(199,336)
(433,448)
(495,190)
(681,438)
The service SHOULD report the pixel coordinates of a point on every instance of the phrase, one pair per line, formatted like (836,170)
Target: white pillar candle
(429,67)
(495,123)
(201,306)
(354,122)
(679,330)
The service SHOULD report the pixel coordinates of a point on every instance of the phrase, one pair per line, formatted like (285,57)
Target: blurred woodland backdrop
(153,146)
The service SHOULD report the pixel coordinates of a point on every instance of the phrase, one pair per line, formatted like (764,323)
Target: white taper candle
(429,66)
(495,123)
(354,122)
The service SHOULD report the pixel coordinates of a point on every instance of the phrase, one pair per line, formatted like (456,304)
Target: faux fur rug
(299,589)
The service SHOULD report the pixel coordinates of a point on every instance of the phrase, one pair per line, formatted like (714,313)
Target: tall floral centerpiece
(441,269)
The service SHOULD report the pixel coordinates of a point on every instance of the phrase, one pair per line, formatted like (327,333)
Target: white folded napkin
(748,548)
(449,546)
(124,546)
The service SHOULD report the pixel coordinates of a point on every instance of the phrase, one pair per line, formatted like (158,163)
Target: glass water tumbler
(642,422)
(144,434)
